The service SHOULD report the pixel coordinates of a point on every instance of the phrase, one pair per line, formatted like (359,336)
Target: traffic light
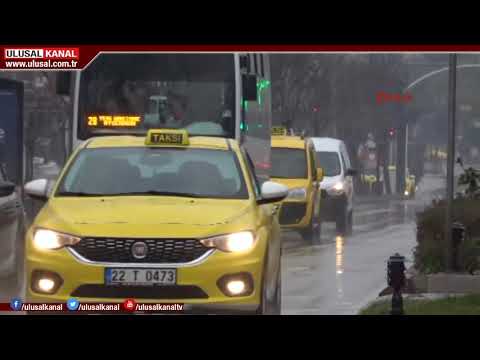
(391,132)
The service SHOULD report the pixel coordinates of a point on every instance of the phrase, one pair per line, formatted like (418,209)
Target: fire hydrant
(396,280)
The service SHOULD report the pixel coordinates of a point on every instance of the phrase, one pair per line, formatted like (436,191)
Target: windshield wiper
(159,193)
(77,193)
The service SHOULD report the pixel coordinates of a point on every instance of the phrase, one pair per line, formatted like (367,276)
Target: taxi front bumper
(196,286)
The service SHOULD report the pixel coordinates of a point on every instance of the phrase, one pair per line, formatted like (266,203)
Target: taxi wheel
(267,307)
(342,222)
(277,309)
(272,307)
(350,223)
(317,232)
(313,232)
(263,307)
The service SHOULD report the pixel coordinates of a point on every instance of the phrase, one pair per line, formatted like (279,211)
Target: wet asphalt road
(340,275)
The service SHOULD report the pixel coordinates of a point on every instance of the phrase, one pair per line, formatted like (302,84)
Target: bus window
(160,90)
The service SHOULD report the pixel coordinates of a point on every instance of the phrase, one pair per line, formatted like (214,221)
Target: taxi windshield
(289,163)
(329,162)
(187,172)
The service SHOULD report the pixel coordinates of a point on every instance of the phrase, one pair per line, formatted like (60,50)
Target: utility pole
(452,87)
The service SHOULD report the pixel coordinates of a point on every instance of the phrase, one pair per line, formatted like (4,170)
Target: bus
(209,94)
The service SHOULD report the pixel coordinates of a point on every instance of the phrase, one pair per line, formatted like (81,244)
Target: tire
(317,238)
(342,221)
(277,304)
(349,231)
(314,231)
(263,308)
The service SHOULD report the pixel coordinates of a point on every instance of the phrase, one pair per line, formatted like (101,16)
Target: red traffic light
(391,132)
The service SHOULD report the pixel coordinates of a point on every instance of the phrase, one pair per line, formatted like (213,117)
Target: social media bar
(74,305)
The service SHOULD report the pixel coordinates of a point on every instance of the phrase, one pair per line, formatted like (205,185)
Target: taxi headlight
(297,194)
(49,240)
(236,242)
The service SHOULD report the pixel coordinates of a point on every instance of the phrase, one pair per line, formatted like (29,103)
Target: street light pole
(452,85)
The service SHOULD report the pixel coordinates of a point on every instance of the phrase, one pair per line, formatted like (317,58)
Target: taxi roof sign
(166,137)
(279,131)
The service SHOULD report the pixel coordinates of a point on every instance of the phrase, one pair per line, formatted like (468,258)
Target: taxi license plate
(140,277)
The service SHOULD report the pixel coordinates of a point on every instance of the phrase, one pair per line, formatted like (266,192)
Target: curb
(418,296)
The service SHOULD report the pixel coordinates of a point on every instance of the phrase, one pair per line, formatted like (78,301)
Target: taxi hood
(135,216)
(292,183)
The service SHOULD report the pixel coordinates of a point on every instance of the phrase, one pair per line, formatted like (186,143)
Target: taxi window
(203,173)
(289,163)
(313,169)
(251,171)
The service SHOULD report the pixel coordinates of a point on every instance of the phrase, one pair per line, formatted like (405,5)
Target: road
(341,275)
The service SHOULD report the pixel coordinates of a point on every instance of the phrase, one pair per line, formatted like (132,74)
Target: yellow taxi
(410,183)
(293,164)
(410,186)
(161,218)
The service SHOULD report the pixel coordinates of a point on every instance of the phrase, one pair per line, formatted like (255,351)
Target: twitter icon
(72,304)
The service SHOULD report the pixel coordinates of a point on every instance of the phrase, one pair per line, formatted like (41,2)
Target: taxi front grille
(162,251)
(140,292)
(292,213)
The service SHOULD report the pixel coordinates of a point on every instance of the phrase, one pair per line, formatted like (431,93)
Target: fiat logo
(139,250)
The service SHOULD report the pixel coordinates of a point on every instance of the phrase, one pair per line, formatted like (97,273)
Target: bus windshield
(130,93)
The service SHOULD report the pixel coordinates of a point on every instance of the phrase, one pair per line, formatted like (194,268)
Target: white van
(337,185)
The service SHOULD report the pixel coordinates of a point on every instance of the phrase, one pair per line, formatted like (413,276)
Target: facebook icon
(16,304)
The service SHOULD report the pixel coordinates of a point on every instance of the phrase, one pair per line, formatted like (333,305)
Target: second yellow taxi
(293,164)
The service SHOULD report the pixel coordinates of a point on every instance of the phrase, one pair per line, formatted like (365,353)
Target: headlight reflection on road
(339,240)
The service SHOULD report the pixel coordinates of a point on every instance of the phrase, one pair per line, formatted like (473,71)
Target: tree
(342,88)
(300,85)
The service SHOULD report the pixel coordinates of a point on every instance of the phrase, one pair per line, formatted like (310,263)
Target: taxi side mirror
(37,189)
(319,174)
(272,192)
